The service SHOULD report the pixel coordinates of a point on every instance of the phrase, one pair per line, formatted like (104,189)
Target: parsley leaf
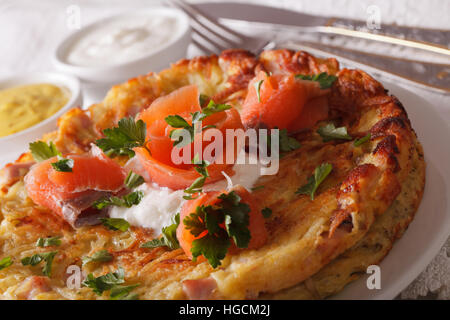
(122,139)
(42,151)
(99,256)
(32,260)
(324,79)
(266,212)
(127,201)
(169,236)
(181,124)
(47,242)
(213,108)
(207,221)
(257,188)
(111,281)
(48,257)
(213,247)
(133,180)
(287,143)
(177,121)
(257,86)
(195,222)
(105,282)
(115,223)
(330,132)
(198,184)
(361,141)
(38,258)
(5,263)
(320,173)
(63,164)
(123,292)
(236,218)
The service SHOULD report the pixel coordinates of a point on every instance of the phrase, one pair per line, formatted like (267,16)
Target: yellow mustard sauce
(24,106)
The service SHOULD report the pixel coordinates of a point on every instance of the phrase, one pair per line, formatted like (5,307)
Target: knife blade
(433,76)
(426,39)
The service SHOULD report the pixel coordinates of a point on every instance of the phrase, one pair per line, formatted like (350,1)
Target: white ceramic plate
(431,226)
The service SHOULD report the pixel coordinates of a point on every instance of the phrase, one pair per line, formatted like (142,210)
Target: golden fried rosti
(373,188)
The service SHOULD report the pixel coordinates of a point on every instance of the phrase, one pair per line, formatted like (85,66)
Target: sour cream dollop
(123,39)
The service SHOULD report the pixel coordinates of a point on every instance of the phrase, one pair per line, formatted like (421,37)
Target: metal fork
(211,36)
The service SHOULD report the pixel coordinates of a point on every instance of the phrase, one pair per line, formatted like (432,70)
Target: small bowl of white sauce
(126,45)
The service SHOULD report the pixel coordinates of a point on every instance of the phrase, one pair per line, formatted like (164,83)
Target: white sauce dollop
(155,210)
(160,204)
(123,39)
(246,173)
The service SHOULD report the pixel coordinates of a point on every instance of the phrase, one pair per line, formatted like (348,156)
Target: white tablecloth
(30,30)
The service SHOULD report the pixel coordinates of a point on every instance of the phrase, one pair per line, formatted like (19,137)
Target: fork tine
(210,19)
(201,27)
(202,47)
(210,40)
(233,38)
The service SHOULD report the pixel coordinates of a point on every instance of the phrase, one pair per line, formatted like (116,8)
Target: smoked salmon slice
(158,163)
(281,101)
(71,194)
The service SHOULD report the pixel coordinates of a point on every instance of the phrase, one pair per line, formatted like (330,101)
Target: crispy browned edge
(370,250)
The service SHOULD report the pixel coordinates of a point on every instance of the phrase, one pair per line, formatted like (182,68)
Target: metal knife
(433,76)
(426,39)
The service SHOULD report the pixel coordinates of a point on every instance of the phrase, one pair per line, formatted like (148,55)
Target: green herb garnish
(324,79)
(169,236)
(115,224)
(181,124)
(320,173)
(47,242)
(215,243)
(111,281)
(63,164)
(38,258)
(330,132)
(133,180)
(105,282)
(198,184)
(42,151)
(266,212)
(257,188)
(5,263)
(122,139)
(361,141)
(123,293)
(287,143)
(126,201)
(99,256)
(257,86)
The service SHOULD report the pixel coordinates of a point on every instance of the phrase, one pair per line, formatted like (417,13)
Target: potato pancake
(314,247)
